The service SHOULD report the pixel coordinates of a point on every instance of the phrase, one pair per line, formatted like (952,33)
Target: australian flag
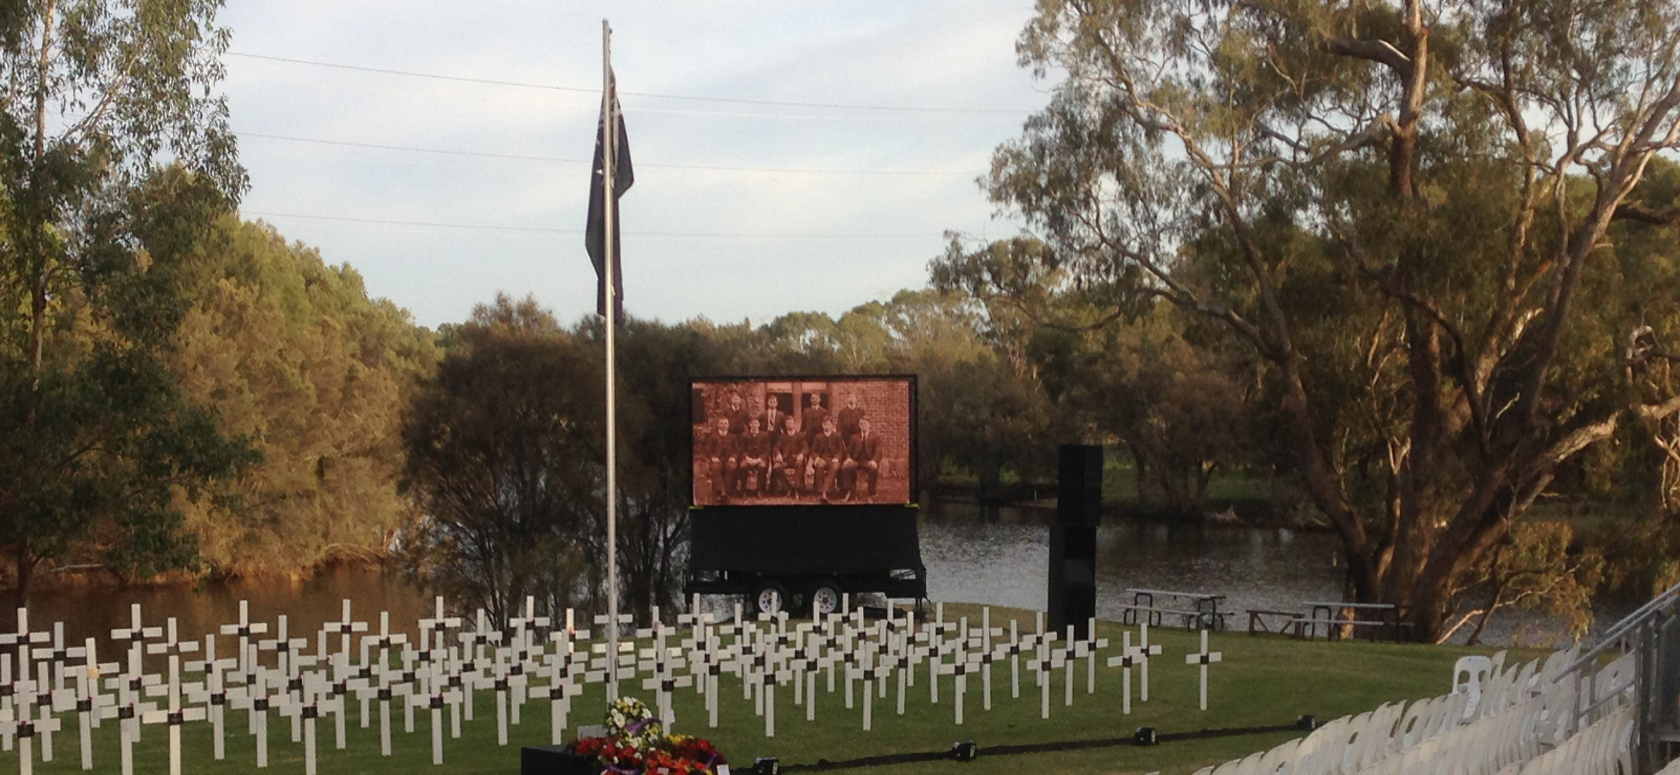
(595,233)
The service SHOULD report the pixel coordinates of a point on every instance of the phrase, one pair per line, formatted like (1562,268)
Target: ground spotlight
(766,765)
(964,750)
(1306,723)
(1144,736)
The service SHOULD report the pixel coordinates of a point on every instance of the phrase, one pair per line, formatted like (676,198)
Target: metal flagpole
(609,154)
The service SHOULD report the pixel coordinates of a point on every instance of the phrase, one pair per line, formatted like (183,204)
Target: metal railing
(1652,634)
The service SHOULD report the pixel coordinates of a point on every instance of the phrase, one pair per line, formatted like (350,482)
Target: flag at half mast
(594,237)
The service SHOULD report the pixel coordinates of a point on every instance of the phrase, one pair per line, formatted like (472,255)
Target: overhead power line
(564,160)
(541,230)
(623,93)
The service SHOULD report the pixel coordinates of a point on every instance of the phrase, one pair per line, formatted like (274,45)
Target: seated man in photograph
(789,461)
(863,458)
(827,451)
(754,468)
(718,455)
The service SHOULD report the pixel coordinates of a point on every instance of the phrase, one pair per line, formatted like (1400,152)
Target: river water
(997,558)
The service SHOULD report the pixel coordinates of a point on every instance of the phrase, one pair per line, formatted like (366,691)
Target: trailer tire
(770,597)
(825,598)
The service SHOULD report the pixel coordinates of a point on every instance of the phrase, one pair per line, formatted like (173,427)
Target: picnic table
(1199,610)
(1378,618)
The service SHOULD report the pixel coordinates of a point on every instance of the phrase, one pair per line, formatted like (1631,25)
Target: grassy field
(1263,681)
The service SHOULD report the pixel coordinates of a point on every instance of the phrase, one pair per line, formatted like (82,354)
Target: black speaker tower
(1073,539)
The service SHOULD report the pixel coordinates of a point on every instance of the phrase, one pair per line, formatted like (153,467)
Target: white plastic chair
(1351,742)
(1280,760)
(1470,675)
(1250,764)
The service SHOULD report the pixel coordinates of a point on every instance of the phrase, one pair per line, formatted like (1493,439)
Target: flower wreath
(636,744)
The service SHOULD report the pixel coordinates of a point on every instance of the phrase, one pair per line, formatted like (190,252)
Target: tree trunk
(25,573)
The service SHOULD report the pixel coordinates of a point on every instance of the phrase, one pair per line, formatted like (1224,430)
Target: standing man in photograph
(754,469)
(815,414)
(737,414)
(850,416)
(773,419)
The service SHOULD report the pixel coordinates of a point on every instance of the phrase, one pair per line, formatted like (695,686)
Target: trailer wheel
(825,598)
(770,597)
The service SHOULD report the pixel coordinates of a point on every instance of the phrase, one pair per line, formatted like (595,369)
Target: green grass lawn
(1263,681)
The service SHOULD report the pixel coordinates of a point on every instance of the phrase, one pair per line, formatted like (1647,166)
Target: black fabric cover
(805,539)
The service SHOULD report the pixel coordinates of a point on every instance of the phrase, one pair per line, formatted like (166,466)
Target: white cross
(89,700)
(910,654)
(1048,659)
(244,629)
(436,625)
(131,687)
(660,661)
(965,663)
(254,696)
(452,666)
(343,680)
(524,640)
(700,625)
(987,632)
(23,637)
(290,656)
(477,660)
(869,670)
(1203,658)
(344,628)
(306,707)
(380,672)
(173,715)
(563,681)
(710,660)
(213,692)
(41,698)
(614,668)
(25,727)
(54,697)
(1088,648)
(1128,657)
(435,696)
(1147,652)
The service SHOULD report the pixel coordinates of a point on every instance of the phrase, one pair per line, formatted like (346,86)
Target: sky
(789,156)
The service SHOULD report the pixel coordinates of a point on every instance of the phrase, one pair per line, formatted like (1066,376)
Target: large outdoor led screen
(804,440)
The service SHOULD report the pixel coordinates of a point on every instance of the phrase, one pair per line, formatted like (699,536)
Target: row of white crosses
(353,670)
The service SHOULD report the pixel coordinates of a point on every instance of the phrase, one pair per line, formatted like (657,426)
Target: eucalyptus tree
(114,156)
(1398,207)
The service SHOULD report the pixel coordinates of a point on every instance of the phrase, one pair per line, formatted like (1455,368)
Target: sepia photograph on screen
(803,440)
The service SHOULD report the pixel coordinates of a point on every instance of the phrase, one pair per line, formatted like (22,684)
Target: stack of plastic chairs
(1604,748)
(1514,719)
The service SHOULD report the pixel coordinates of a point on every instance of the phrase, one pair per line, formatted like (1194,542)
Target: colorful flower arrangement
(636,744)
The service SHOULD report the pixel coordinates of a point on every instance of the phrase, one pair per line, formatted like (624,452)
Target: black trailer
(806,558)
(797,532)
